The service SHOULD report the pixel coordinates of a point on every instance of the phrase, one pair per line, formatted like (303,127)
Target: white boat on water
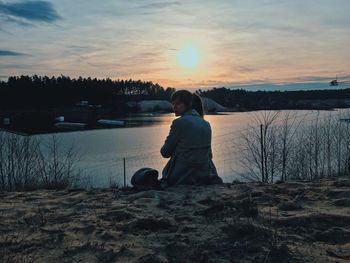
(59,118)
(70,125)
(113,123)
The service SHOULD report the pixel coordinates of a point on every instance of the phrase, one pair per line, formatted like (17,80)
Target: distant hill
(212,106)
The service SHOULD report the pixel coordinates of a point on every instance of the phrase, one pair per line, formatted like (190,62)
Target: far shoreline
(54,130)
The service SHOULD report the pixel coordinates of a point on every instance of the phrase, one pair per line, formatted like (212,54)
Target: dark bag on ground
(145,178)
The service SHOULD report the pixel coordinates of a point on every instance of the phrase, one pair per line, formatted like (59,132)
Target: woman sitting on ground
(188,144)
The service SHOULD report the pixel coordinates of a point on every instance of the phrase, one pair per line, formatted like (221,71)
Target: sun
(188,57)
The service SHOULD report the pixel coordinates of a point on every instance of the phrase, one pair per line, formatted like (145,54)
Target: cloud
(313,78)
(159,5)
(40,11)
(12,19)
(10,53)
(155,7)
(5,31)
(12,66)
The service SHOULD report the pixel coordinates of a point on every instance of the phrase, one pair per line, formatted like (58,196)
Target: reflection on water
(102,151)
(147,119)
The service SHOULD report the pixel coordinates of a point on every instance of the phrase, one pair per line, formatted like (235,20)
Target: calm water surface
(102,151)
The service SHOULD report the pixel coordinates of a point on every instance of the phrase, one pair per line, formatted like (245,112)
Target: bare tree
(259,146)
(57,166)
(289,148)
(26,165)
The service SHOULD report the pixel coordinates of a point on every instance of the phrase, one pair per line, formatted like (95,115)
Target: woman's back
(189,146)
(196,131)
(195,138)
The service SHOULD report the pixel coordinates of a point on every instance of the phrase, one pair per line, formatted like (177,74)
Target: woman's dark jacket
(189,147)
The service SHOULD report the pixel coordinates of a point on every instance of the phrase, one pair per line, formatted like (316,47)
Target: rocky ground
(241,222)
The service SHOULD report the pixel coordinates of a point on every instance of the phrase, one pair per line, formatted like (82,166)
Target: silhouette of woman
(188,144)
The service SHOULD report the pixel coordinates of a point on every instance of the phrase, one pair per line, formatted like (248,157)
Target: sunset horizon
(176,43)
(174,131)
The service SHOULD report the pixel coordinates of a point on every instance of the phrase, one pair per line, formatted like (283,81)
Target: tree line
(37,92)
(272,99)
(43,92)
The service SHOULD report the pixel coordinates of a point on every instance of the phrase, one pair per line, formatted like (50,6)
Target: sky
(181,44)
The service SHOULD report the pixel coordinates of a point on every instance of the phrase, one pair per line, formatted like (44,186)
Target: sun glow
(189,61)
(188,57)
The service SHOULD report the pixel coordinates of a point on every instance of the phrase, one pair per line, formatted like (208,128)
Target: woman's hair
(187,98)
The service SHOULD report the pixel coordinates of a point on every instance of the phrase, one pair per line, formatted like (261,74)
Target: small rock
(342,202)
(152,258)
(289,206)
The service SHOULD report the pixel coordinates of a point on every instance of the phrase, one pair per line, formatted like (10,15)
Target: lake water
(102,151)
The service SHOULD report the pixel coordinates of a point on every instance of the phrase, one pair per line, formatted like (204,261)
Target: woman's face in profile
(179,107)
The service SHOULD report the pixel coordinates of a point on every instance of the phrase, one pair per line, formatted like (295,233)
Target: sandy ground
(250,222)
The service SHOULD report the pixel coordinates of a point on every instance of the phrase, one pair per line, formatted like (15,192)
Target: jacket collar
(191,112)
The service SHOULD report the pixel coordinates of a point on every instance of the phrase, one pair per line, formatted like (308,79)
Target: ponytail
(197,104)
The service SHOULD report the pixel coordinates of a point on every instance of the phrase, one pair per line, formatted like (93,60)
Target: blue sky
(239,41)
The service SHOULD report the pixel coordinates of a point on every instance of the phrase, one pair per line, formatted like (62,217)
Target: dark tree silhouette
(254,100)
(36,92)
